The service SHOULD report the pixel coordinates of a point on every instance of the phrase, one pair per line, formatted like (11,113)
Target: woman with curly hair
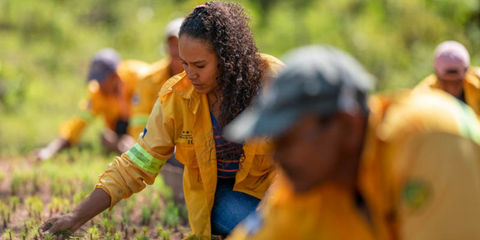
(223,181)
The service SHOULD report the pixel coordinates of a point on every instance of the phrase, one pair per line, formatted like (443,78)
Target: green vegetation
(23,213)
(46,47)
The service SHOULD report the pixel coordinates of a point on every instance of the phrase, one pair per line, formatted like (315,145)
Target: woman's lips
(196,85)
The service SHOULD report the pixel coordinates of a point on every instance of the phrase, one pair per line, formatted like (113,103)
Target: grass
(138,217)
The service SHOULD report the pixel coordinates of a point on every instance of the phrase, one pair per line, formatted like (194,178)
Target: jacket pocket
(186,155)
(262,162)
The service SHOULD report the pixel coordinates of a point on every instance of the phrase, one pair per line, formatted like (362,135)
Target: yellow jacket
(146,94)
(327,212)
(98,104)
(418,176)
(181,118)
(471,87)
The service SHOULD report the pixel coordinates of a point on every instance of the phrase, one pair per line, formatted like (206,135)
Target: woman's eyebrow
(196,62)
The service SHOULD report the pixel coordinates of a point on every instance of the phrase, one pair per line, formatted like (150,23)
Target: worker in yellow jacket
(454,74)
(148,87)
(223,181)
(111,84)
(404,166)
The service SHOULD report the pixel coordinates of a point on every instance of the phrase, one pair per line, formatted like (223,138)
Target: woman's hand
(67,224)
(53,148)
(97,202)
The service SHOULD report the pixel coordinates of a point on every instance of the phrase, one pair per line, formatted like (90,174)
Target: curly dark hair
(225,26)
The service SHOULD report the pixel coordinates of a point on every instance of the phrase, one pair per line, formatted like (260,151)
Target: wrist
(78,216)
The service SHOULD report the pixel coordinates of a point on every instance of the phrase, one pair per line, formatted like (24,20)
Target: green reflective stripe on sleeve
(469,125)
(86,115)
(146,161)
(139,120)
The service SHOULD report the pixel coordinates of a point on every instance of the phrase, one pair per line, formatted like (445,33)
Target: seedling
(5,213)
(93,233)
(144,235)
(8,234)
(108,225)
(108,236)
(146,215)
(17,181)
(159,229)
(14,200)
(35,182)
(141,237)
(166,235)
(66,234)
(34,206)
(49,236)
(171,215)
(2,175)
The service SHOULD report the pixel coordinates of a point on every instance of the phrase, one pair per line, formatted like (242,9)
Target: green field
(32,192)
(45,48)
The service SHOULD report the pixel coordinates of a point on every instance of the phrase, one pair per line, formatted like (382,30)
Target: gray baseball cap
(318,79)
(104,64)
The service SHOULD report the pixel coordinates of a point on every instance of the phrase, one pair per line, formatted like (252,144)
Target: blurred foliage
(45,46)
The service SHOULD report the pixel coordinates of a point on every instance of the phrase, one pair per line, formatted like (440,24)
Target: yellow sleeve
(140,165)
(436,186)
(73,128)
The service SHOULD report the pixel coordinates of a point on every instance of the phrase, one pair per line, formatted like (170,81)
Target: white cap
(173,28)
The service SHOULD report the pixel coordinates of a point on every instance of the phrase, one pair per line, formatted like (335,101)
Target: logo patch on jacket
(187,135)
(416,193)
(135,99)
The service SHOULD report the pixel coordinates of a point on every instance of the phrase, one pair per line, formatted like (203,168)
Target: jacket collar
(185,89)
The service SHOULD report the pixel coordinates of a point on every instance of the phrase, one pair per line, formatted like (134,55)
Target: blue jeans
(230,207)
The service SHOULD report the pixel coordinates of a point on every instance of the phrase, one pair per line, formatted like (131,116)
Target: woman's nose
(191,74)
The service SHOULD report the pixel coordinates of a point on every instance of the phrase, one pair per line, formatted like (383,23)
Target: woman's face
(200,63)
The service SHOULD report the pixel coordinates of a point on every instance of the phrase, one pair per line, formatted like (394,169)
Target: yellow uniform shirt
(419,175)
(420,168)
(146,94)
(181,119)
(100,104)
(471,87)
(326,213)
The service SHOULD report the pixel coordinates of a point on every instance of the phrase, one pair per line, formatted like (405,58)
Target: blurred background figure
(148,87)
(111,84)
(400,167)
(454,75)
(145,96)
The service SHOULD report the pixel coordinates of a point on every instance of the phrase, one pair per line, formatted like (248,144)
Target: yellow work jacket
(146,94)
(100,104)
(181,119)
(419,176)
(326,212)
(471,86)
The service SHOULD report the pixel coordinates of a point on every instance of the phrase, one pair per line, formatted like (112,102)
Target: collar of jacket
(180,85)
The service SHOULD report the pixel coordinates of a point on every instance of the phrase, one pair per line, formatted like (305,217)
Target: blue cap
(104,64)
